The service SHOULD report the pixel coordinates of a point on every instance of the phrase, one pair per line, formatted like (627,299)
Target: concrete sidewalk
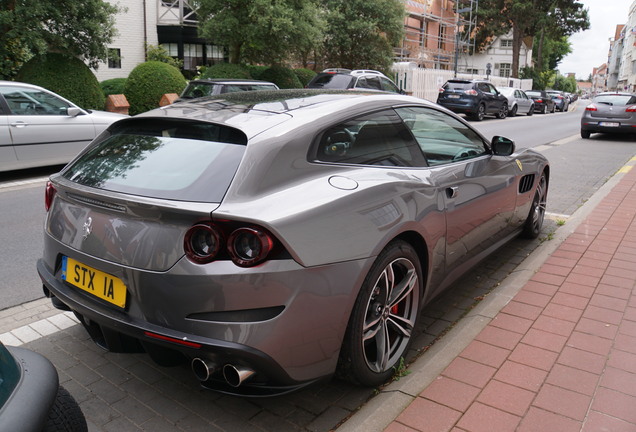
(552,349)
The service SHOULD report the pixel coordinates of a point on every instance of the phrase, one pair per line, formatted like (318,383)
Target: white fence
(425,83)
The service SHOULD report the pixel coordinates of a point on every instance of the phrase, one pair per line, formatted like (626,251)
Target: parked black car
(360,79)
(543,103)
(474,98)
(31,399)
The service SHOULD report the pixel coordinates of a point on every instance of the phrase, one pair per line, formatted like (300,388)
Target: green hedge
(226,70)
(304,75)
(67,76)
(113,86)
(283,77)
(148,82)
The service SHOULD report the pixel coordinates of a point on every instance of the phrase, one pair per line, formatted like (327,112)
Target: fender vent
(526,182)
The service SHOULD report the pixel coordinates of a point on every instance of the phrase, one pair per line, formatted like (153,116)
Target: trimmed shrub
(226,70)
(304,75)
(113,86)
(67,76)
(283,77)
(257,71)
(148,82)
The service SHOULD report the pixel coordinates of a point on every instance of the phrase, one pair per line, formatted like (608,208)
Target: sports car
(272,239)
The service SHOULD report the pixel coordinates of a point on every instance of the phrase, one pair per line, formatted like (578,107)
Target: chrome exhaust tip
(236,375)
(203,369)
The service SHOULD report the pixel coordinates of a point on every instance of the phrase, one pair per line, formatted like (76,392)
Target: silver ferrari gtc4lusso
(273,238)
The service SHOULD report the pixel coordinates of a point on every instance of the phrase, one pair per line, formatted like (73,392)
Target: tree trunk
(540,50)
(235,53)
(517,40)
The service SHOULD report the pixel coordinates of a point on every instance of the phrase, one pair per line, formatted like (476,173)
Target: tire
(380,330)
(531,112)
(513,111)
(585,134)
(534,222)
(65,414)
(553,109)
(503,111)
(544,109)
(481,112)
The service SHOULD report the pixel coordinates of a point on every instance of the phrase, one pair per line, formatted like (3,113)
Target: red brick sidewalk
(561,356)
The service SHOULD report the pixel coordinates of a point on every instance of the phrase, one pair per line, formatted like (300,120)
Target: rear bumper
(594,126)
(464,107)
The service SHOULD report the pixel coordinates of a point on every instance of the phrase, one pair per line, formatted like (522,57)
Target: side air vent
(526,182)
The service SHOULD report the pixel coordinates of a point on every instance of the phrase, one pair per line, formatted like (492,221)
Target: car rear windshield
(458,85)
(331,81)
(620,100)
(176,160)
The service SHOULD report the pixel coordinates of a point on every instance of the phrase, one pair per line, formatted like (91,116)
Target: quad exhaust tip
(203,369)
(234,375)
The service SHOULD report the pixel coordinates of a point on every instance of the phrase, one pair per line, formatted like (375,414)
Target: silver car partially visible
(274,238)
(611,113)
(41,128)
(518,101)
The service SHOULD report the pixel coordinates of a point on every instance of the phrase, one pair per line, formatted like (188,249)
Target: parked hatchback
(474,98)
(612,113)
(561,100)
(344,79)
(40,128)
(212,87)
(274,238)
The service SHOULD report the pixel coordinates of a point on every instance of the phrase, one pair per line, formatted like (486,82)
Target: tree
(528,18)
(261,31)
(31,27)
(362,33)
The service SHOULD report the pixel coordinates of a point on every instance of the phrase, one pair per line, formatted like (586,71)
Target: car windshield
(506,91)
(458,85)
(332,81)
(196,90)
(176,160)
(615,99)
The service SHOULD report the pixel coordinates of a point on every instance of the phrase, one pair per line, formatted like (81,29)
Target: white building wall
(627,74)
(495,54)
(132,38)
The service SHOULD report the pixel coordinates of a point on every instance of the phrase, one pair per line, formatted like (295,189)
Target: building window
(505,69)
(506,43)
(172,49)
(114,58)
(441,44)
(472,71)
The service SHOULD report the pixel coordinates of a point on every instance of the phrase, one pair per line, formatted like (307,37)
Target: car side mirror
(73,111)
(502,146)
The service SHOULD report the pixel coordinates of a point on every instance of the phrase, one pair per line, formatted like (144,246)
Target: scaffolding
(437,32)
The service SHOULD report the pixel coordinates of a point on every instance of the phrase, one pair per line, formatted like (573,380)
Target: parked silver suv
(359,79)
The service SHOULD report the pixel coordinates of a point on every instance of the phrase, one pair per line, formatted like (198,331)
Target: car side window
(26,101)
(442,138)
(379,138)
(387,85)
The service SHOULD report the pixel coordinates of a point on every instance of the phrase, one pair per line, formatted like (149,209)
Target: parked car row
(478,98)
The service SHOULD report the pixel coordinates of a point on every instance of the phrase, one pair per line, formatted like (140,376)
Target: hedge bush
(256,71)
(226,70)
(148,82)
(304,75)
(283,77)
(113,86)
(67,76)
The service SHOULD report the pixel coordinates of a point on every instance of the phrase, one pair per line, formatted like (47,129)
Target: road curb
(385,407)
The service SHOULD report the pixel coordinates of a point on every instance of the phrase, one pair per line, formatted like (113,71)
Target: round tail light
(202,243)
(249,246)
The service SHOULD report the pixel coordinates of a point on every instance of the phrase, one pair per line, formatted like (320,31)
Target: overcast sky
(590,47)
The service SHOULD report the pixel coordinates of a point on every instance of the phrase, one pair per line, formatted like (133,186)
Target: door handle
(19,124)
(451,192)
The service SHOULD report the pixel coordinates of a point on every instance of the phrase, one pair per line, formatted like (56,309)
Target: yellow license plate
(98,283)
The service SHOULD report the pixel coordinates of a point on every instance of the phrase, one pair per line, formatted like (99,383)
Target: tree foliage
(32,27)
(528,18)
(260,31)
(362,33)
